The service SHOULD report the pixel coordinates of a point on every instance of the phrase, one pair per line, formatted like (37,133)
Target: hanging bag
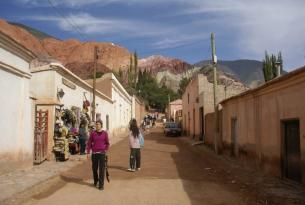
(141,140)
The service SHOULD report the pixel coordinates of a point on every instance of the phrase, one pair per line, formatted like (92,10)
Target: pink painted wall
(259,117)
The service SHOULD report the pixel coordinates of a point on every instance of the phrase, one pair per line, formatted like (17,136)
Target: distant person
(83,137)
(143,125)
(153,122)
(135,147)
(99,143)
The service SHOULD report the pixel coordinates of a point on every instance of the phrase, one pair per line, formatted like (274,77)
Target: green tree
(149,90)
(135,64)
(182,85)
(270,64)
(133,70)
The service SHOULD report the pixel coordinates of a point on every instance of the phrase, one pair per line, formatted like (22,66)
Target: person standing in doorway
(83,137)
(135,148)
(99,143)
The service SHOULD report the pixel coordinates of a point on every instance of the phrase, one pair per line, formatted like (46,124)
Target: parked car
(172,129)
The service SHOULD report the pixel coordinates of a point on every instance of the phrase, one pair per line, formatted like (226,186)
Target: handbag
(141,140)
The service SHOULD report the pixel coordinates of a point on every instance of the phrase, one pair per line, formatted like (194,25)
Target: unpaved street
(173,172)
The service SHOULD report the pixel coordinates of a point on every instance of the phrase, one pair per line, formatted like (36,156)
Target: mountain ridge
(78,57)
(248,71)
(68,52)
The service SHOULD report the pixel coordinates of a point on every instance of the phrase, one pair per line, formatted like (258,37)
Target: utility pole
(94,81)
(168,109)
(214,61)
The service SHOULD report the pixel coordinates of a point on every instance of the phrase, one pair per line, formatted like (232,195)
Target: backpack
(141,140)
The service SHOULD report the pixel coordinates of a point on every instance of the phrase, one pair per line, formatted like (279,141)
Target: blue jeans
(82,143)
(135,158)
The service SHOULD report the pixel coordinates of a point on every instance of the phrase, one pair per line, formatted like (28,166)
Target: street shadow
(118,168)
(74,175)
(79,181)
(207,175)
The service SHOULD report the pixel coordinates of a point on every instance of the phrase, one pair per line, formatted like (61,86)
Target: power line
(73,25)
(69,21)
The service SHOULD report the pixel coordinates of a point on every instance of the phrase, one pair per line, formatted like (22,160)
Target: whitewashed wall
(42,84)
(16,141)
(75,97)
(122,108)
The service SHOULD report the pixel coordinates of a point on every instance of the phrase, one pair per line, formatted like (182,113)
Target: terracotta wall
(259,117)
(201,94)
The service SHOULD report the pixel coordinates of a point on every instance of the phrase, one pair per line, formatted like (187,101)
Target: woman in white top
(135,148)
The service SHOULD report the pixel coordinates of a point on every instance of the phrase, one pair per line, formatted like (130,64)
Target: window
(188,98)
(107,122)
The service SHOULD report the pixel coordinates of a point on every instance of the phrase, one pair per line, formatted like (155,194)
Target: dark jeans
(135,158)
(82,144)
(98,163)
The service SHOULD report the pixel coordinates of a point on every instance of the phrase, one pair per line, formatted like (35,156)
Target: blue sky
(244,29)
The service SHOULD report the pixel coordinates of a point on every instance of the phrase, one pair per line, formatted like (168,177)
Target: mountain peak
(248,71)
(157,63)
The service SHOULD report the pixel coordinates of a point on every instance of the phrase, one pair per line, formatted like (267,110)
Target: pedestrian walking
(83,137)
(135,146)
(99,143)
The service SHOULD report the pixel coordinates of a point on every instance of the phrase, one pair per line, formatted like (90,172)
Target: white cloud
(253,25)
(274,25)
(162,36)
(93,25)
(179,40)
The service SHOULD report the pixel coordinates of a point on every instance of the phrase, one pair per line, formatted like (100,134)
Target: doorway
(234,148)
(201,120)
(194,123)
(40,136)
(189,124)
(291,160)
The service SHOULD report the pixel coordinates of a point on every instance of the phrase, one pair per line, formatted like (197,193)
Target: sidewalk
(21,180)
(246,178)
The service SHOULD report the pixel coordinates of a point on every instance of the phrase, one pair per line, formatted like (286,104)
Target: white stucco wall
(16,141)
(46,81)
(122,108)
(75,97)
(15,113)
(14,60)
(42,84)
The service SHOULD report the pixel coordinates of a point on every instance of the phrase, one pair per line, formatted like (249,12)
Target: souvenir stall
(61,145)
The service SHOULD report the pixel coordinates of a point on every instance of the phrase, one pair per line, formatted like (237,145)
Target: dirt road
(173,172)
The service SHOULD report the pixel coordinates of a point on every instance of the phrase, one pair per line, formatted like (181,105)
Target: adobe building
(172,109)
(57,88)
(267,125)
(198,105)
(17,123)
(138,109)
(122,101)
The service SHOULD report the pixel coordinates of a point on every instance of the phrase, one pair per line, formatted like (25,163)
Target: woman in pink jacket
(98,143)
(135,148)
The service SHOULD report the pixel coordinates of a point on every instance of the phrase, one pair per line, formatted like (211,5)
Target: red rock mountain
(75,55)
(159,63)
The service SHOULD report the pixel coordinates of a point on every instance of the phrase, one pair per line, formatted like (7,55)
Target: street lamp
(60,93)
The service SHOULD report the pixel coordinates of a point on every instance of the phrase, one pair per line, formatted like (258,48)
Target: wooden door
(292,151)
(41,136)
(234,148)
(201,120)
